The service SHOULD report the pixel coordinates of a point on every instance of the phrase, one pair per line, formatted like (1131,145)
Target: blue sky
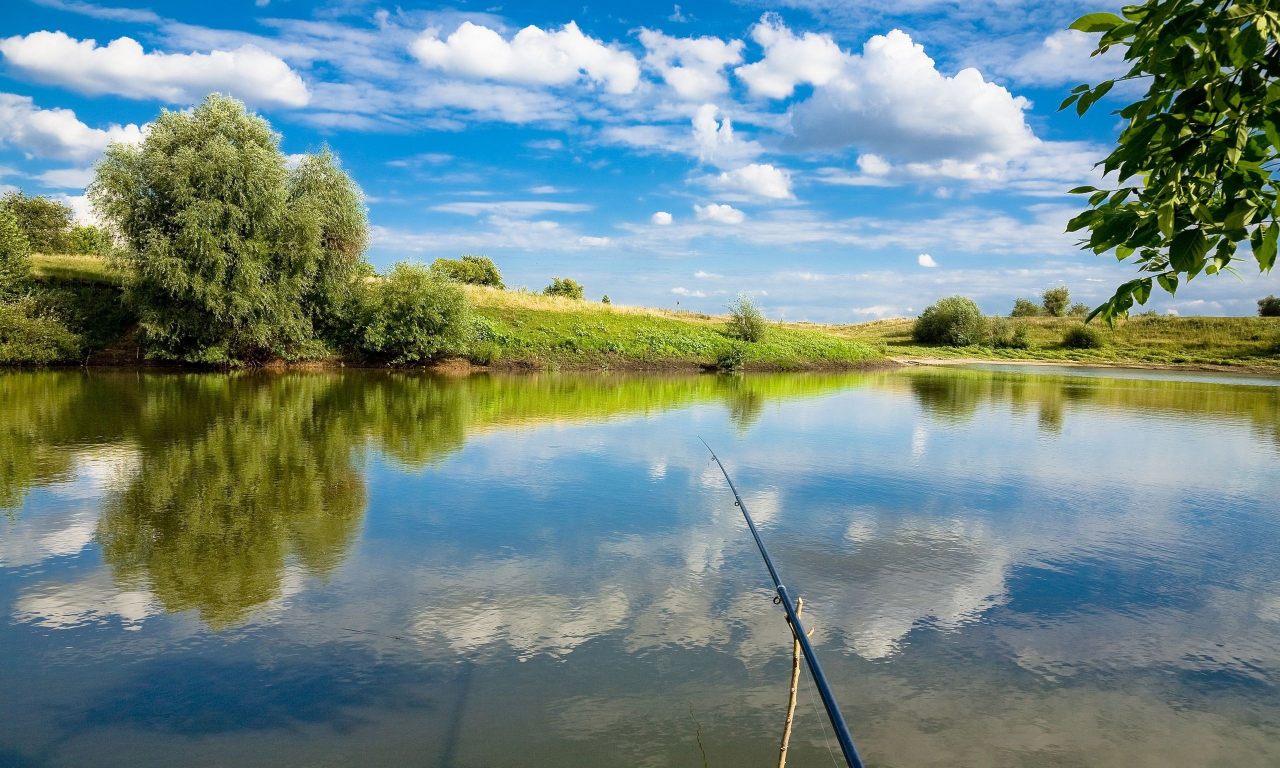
(841,161)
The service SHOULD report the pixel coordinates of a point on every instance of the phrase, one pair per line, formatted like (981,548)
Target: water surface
(1005,568)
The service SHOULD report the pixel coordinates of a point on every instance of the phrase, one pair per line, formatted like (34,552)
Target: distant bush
(1269,307)
(605,300)
(1083,337)
(88,241)
(31,337)
(472,270)
(413,315)
(955,321)
(1079,309)
(746,321)
(1055,301)
(1006,335)
(15,264)
(45,222)
(564,286)
(1025,308)
(733,358)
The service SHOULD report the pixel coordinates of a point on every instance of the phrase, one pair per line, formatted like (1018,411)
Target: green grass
(1142,340)
(67,267)
(548,332)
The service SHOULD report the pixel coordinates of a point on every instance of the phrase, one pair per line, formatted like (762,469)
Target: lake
(1004,566)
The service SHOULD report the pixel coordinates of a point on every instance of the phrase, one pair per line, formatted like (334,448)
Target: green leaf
(1165,217)
(1142,290)
(1068,101)
(1082,190)
(1240,215)
(1266,254)
(1188,248)
(1169,282)
(1097,22)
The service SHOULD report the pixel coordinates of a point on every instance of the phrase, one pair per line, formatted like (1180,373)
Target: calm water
(1005,568)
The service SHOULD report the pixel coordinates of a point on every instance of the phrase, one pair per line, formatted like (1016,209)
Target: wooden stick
(795,682)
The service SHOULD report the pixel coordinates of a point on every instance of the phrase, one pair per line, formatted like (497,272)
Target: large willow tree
(234,256)
(1193,166)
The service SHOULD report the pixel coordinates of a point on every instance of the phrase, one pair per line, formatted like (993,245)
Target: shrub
(1025,308)
(1079,309)
(31,337)
(955,321)
(1007,335)
(564,286)
(414,315)
(1083,337)
(732,358)
(234,256)
(605,300)
(746,321)
(15,264)
(1055,301)
(88,241)
(1269,307)
(45,222)
(472,270)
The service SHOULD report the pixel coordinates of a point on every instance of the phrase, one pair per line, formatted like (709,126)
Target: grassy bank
(1241,342)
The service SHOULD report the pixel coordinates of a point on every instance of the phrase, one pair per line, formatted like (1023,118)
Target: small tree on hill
(472,270)
(1055,301)
(1025,308)
(45,222)
(1079,309)
(564,286)
(746,321)
(1269,307)
(955,321)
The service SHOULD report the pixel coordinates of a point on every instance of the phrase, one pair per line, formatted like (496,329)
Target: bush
(1269,307)
(88,241)
(1007,335)
(1055,301)
(15,264)
(564,286)
(31,337)
(1083,337)
(472,270)
(234,257)
(413,315)
(955,321)
(1025,308)
(605,300)
(1079,309)
(45,222)
(733,358)
(746,321)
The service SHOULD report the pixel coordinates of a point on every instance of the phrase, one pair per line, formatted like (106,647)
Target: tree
(1025,308)
(1194,163)
(746,321)
(45,222)
(15,266)
(234,257)
(606,299)
(955,321)
(1055,301)
(472,270)
(1269,307)
(1079,309)
(413,315)
(564,286)
(88,240)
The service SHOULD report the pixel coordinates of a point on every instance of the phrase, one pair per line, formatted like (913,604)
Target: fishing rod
(797,629)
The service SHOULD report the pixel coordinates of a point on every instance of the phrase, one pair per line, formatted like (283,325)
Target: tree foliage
(1193,166)
(955,321)
(15,266)
(234,256)
(1055,301)
(746,321)
(45,222)
(1269,307)
(414,315)
(1025,308)
(564,286)
(470,269)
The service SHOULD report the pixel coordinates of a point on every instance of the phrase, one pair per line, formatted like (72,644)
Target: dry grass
(495,298)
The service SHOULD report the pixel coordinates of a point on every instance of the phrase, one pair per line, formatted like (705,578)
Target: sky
(839,160)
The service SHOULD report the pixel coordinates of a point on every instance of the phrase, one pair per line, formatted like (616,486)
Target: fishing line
(817,715)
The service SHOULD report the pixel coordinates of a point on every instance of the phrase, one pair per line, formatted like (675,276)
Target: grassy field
(74,268)
(1249,342)
(525,329)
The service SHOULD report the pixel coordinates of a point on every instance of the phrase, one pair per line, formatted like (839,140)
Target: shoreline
(1258,370)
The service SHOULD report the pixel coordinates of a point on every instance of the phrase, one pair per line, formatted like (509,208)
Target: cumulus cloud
(661,218)
(715,140)
(591,241)
(689,293)
(756,179)
(692,66)
(510,207)
(56,133)
(122,68)
(1064,58)
(891,100)
(720,214)
(810,59)
(533,56)
(925,260)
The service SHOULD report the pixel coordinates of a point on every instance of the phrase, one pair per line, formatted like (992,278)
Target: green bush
(1006,335)
(746,321)
(15,264)
(1079,309)
(234,257)
(564,286)
(605,300)
(732,358)
(1025,308)
(955,321)
(28,336)
(1269,307)
(472,270)
(45,222)
(414,315)
(1055,301)
(89,241)
(1083,337)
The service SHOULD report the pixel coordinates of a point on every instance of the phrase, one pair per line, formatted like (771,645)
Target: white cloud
(689,293)
(124,69)
(789,61)
(545,145)
(56,133)
(755,179)
(548,189)
(661,218)
(588,240)
(715,140)
(891,100)
(925,260)
(692,66)
(873,165)
(720,214)
(533,56)
(1064,58)
(66,178)
(510,207)
(876,311)
(703,275)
